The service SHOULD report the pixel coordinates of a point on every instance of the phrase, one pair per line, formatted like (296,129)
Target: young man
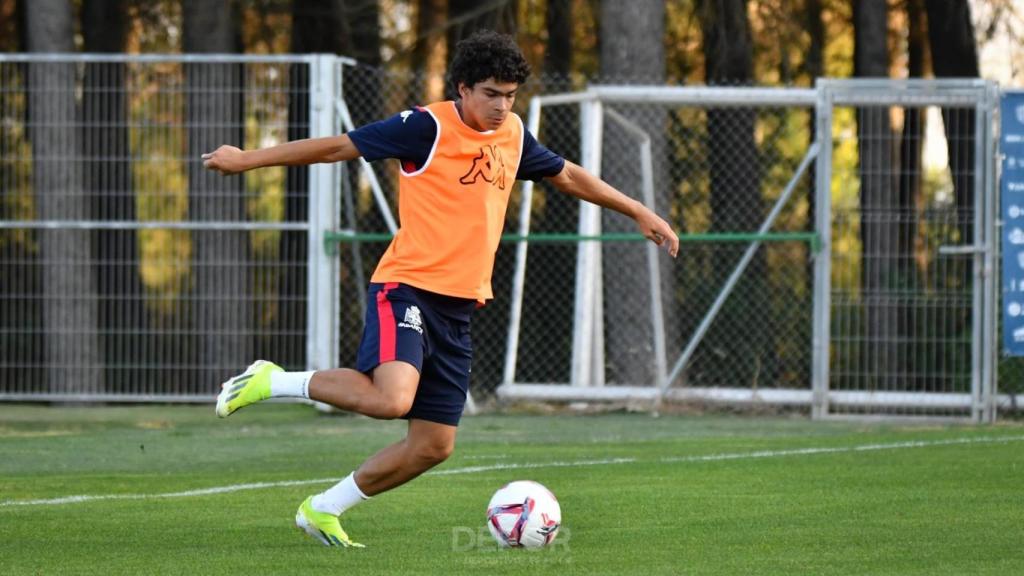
(458,161)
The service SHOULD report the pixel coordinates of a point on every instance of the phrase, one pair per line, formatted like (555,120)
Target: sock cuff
(340,497)
(290,384)
(358,490)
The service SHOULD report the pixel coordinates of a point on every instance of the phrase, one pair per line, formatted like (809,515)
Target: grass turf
(931,509)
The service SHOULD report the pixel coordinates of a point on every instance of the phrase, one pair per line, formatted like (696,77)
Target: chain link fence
(716,171)
(127,271)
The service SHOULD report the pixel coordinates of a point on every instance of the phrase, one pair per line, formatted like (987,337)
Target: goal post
(587,376)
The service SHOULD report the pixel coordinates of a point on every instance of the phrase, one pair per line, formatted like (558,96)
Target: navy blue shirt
(409,136)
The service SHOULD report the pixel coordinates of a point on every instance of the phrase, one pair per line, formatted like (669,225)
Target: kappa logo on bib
(489,166)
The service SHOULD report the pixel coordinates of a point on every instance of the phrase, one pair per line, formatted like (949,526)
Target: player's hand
(226,160)
(658,231)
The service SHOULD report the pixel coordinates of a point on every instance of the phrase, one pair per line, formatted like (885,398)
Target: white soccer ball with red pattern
(524,514)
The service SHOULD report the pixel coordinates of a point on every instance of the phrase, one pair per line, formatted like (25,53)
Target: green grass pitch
(639,495)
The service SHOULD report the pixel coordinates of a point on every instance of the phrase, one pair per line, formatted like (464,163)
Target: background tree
(72,352)
(108,182)
(814,66)
(955,55)
(430,52)
(366,80)
(737,204)
(221,309)
(633,52)
(878,199)
(911,172)
(318,27)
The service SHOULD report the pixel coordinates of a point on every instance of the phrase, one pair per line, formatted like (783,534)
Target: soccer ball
(523,514)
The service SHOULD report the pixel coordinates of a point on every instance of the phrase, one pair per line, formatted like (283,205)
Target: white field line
(524,466)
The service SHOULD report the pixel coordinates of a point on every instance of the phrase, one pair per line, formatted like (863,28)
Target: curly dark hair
(487,54)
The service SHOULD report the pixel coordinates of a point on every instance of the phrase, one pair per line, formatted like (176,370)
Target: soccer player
(458,162)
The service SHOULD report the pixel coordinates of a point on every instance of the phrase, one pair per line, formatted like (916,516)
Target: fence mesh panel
(902,314)
(145,285)
(714,171)
(129,272)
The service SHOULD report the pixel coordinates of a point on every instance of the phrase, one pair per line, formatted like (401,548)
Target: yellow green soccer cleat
(247,388)
(322,527)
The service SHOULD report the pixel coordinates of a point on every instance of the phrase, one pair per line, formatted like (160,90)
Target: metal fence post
(321,341)
(587,273)
(519,274)
(823,259)
(978,261)
(990,190)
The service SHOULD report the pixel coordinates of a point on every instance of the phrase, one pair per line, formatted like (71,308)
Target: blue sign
(1012,191)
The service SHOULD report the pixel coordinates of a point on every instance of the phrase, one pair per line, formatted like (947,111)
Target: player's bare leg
(389,394)
(425,445)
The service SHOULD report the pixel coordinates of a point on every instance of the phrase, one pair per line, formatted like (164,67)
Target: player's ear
(464,90)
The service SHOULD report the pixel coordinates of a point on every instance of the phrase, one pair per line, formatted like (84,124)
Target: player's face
(486,105)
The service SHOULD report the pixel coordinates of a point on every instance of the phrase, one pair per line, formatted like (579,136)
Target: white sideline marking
(514,466)
(839,449)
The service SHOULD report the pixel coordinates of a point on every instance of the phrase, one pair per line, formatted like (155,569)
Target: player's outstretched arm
(231,160)
(576,181)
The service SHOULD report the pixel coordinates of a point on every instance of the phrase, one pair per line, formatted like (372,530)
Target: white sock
(340,497)
(290,384)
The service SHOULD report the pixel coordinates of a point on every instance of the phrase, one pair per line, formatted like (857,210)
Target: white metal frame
(981,403)
(587,383)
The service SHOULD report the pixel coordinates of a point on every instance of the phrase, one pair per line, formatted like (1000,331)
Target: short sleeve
(538,162)
(407,136)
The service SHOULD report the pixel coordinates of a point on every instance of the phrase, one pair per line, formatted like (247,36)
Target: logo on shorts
(412,319)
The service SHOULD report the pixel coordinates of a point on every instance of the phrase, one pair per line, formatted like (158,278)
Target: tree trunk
(558,53)
(73,355)
(815,65)
(815,68)
(633,51)
(108,180)
(430,55)
(363,83)
(222,311)
(878,198)
(741,342)
(955,55)
(909,190)
(318,27)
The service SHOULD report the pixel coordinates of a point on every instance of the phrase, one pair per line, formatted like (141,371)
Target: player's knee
(433,453)
(395,384)
(392,408)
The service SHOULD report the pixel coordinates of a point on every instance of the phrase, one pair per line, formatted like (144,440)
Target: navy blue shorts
(429,331)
